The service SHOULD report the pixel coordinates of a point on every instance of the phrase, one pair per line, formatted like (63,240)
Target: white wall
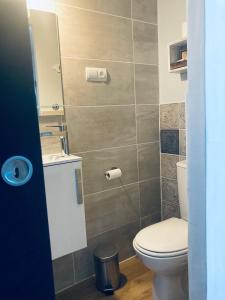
(171,15)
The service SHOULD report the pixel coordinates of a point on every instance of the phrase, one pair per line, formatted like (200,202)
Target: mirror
(46,60)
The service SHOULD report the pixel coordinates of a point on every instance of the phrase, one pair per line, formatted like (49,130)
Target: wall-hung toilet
(163,248)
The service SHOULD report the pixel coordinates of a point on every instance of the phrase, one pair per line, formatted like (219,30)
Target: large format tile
(170,141)
(149,161)
(122,238)
(91,35)
(169,116)
(170,191)
(96,163)
(111,209)
(145,10)
(151,219)
(92,128)
(146,84)
(117,91)
(116,7)
(63,272)
(168,165)
(170,210)
(145,43)
(147,123)
(150,197)
(83,264)
(182,116)
(182,141)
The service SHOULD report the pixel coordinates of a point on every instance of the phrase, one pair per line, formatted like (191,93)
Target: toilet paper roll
(113,174)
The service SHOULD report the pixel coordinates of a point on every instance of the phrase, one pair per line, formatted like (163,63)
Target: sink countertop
(56,159)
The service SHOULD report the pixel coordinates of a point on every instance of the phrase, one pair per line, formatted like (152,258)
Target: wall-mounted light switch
(96,74)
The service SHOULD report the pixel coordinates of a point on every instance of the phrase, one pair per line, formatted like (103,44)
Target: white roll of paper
(113,174)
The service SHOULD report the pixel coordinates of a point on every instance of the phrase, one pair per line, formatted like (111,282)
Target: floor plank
(137,287)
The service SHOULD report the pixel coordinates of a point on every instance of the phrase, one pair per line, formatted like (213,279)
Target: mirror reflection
(46,60)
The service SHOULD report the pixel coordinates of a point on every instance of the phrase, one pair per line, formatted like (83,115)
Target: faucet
(63,137)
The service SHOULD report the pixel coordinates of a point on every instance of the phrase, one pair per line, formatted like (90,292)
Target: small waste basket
(106,259)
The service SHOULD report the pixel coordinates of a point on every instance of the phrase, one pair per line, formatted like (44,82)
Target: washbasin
(58,158)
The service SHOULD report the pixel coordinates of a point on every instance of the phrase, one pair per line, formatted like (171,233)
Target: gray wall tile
(83,264)
(169,116)
(116,7)
(111,209)
(92,128)
(118,90)
(122,238)
(145,10)
(170,191)
(89,35)
(170,141)
(150,197)
(63,272)
(145,43)
(168,166)
(151,219)
(182,116)
(182,141)
(96,163)
(147,123)
(149,161)
(147,84)
(170,211)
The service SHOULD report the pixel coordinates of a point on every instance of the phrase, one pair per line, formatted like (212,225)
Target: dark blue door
(25,258)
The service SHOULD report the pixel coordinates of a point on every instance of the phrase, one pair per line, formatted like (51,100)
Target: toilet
(163,248)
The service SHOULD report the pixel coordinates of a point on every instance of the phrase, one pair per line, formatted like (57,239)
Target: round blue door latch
(17,170)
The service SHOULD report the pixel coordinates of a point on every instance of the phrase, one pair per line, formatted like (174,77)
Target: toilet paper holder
(108,174)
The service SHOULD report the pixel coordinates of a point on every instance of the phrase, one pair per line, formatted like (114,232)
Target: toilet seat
(165,239)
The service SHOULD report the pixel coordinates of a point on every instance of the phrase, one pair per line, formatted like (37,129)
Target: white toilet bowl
(163,248)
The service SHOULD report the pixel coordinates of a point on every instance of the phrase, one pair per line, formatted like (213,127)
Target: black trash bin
(106,258)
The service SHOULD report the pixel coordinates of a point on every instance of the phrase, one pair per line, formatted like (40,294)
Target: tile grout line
(108,105)
(106,13)
(107,60)
(121,186)
(112,148)
(136,121)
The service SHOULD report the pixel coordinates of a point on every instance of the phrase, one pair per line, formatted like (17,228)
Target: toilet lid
(164,237)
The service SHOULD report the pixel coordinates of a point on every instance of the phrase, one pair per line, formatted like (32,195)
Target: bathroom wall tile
(122,238)
(116,7)
(170,141)
(111,209)
(149,161)
(145,43)
(146,84)
(182,117)
(170,211)
(150,197)
(92,128)
(96,163)
(151,219)
(182,139)
(147,123)
(170,191)
(168,165)
(145,10)
(83,264)
(63,272)
(169,116)
(50,145)
(118,90)
(90,35)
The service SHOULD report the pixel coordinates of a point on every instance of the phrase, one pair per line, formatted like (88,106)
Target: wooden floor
(137,287)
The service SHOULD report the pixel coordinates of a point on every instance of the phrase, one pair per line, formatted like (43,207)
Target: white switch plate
(96,74)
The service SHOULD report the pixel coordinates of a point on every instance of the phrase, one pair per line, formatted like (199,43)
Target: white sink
(58,158)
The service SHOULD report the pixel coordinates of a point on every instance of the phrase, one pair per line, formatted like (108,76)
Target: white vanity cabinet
(64,195)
